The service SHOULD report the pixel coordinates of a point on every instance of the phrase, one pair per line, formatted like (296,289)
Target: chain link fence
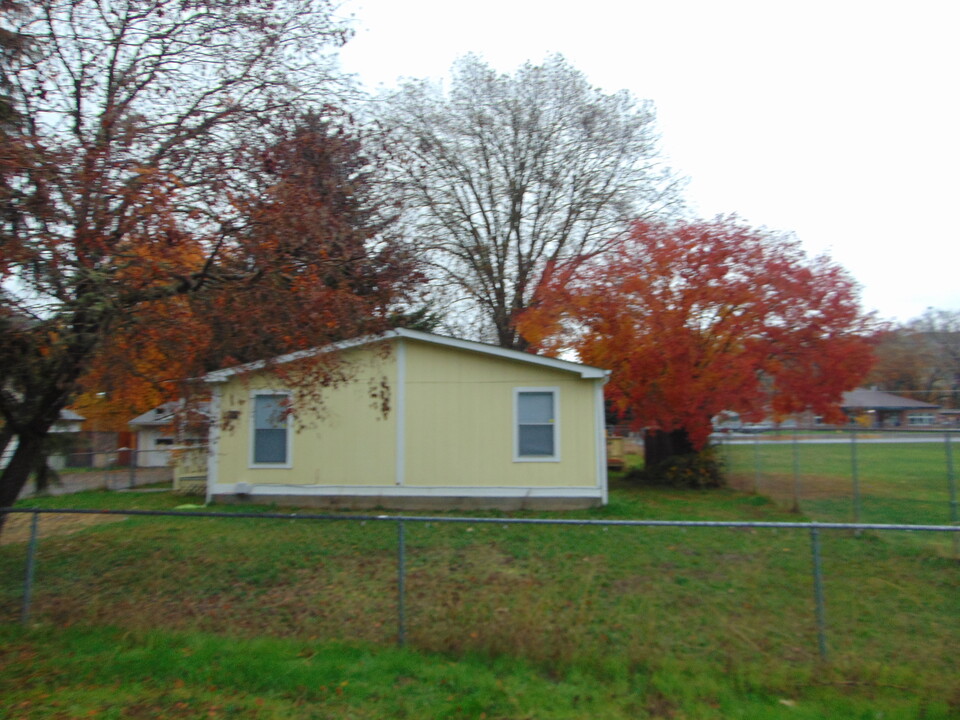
(850,474)
(118,469)
(403,560)
(803,465)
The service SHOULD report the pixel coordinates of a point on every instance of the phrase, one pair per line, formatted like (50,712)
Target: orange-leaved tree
(154,179)
(142,364)
(327,268)
(694,318)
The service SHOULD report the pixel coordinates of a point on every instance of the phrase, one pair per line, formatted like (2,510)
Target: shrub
(696,470)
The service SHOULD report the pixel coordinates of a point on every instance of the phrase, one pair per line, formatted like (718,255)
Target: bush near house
(701,470)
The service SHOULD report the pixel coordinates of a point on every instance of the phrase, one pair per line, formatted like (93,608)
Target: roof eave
(584,371)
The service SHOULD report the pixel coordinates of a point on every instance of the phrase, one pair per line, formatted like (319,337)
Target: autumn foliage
(179,191)
(312,264)
(700,317)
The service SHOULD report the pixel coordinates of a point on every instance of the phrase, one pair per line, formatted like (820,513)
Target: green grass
(111,673)
(898,482)
(252,618)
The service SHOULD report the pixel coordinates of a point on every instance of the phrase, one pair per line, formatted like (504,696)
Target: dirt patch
(781,487)
(17,527)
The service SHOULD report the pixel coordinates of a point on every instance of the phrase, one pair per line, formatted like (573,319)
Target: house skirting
(410,498)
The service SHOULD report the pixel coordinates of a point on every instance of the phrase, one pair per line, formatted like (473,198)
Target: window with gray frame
(536,430)
(270,429)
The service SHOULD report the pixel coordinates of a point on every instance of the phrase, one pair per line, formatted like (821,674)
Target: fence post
(133,468)
(855,468)
(756,464)
(952,480)
(31,565)
(796,472)
(401,582)
(818,593)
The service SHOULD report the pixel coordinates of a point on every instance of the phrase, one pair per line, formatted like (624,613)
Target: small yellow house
(469,425)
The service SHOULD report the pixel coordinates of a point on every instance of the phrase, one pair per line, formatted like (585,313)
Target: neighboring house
(155,435)
(161,429)
(69,424)
(469,425)
(875,408)
(869,408)
(949,417)
(67,429)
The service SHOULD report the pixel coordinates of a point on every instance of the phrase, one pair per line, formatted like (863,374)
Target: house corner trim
(213,442)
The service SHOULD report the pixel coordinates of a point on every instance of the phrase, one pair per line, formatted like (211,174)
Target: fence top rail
(827,430)
(813,525)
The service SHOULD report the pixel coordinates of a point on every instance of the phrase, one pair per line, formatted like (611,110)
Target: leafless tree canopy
(921,359)
(128,121)
(124,125)
(506,176)
(114,94)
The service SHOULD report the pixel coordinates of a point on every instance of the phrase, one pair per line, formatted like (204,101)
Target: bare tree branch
(504,175)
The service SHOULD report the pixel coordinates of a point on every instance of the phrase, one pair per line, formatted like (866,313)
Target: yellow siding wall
(459,422)
(458,430)
(353,443)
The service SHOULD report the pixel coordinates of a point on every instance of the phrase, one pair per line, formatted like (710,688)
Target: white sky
(838,120)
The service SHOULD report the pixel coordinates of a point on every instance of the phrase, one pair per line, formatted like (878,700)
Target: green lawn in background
(280,618)
(898,482)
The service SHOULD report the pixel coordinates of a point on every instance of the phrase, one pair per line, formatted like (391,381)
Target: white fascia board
(584,371)
(219,376)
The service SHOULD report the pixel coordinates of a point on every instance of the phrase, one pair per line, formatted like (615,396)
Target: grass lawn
(899,482)
(196,617)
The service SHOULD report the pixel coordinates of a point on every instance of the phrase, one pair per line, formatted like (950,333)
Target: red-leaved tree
(314,263)
(163,209)
(700,317)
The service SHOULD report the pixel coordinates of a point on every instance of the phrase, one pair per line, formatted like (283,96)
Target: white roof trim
(165,413)
(584,371)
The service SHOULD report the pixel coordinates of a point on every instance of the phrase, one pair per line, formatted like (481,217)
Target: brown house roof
(863,399)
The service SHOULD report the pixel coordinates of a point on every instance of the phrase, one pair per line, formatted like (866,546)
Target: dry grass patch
(17,527)
(781,487)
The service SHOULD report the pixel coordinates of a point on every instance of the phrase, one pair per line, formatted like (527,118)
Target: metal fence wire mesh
(850,474)
(392,570)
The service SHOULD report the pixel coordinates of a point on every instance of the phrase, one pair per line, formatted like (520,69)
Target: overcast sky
(837,120)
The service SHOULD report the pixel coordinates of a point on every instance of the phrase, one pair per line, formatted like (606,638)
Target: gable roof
(162,415)
(584,371)
(862,398)
(166,413)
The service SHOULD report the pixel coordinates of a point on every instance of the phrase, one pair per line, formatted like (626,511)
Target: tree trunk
(15,475)
(5,436)
(659,446)
(508,337)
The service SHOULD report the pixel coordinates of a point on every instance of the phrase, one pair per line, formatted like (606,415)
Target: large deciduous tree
(155,193)
(504,176)
(921,358)
(12,46)
(333,270)
(695,318)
